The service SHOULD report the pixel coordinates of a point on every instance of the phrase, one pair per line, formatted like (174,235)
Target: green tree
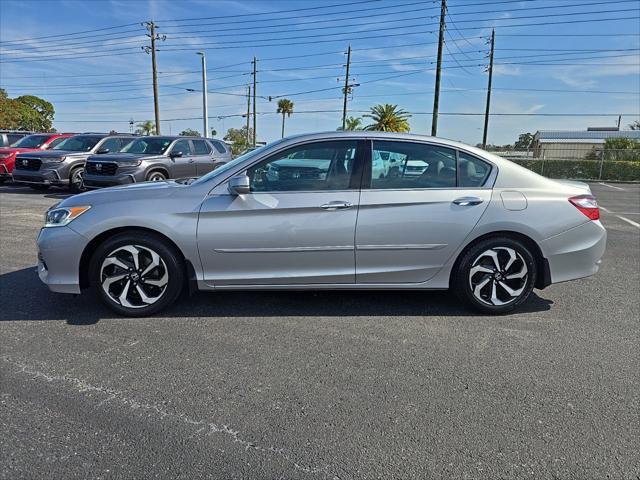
(352,123)
(524,141)
(145,128)
(188,132)
(621,149)
(26,112)
(388,118)
(237,137)
(285,107)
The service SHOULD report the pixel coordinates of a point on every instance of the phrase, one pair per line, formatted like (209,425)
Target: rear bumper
(59,252)
(576,253)
(39,177)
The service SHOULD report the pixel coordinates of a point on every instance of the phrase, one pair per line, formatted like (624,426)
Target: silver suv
(156,159)
(63,165)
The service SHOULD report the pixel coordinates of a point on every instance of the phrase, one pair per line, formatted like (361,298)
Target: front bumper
(59,252)
(124,176)
(40,177)
(575,253)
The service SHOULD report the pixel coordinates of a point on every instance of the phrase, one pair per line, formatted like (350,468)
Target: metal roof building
(571,144)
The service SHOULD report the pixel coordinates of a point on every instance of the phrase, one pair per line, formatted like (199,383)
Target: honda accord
(308,212)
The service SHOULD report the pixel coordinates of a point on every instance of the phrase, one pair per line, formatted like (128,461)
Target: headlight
(56,159)
(59,217)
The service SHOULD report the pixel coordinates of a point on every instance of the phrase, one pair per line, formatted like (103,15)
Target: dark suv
(156,159)
(63,165)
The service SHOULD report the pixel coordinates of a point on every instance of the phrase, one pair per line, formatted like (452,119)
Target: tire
(76,183)
(479,283)
(39,188)
(156,176)
(141,291)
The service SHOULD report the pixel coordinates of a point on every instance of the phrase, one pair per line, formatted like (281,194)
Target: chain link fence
(577,161)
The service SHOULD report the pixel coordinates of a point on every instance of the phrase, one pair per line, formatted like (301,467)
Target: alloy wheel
(77,179)
(134,276)
(156,177)
(498,276)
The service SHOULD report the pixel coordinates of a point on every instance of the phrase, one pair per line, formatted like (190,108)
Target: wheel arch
(543,279)
(89,249)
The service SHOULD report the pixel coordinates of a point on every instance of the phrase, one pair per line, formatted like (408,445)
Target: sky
(551,57)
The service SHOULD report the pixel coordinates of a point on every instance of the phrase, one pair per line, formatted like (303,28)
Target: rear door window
(398,165)
(200,147)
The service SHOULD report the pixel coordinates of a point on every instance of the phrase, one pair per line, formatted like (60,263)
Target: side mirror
(175,154)
(239,185)
(103,150)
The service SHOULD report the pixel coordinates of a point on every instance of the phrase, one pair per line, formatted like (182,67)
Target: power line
(361,15)
(72,33)
(359,2)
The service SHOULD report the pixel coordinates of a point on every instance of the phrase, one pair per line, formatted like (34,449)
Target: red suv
(30,143)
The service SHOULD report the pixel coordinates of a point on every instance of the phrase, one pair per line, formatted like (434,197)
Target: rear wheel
(137,274)
(156,177)
(496,275)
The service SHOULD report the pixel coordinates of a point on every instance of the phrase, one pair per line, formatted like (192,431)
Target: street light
(205,113)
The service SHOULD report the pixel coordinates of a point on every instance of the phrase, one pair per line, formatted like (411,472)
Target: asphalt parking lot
(334,385)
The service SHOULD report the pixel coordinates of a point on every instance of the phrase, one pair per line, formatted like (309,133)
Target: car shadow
(24,297)
(57,193)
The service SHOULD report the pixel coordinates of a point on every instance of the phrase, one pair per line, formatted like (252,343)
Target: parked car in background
(156,159)
(63,165)
(9,137)
(491,231)
(30,143)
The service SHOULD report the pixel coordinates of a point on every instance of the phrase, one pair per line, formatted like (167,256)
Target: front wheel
(76,180)
(156,177)
(496,275)
(137,274)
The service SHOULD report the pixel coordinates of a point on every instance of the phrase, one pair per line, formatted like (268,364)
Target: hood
(4,151)
(134,191)
(55,154)
(117,157)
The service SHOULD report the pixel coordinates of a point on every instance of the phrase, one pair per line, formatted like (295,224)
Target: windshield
(236,161)
(31,141)
(79,143)
(148,145)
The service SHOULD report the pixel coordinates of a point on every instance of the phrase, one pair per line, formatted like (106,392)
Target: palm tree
(388,118)
(285,107)
(352,123)
(146,128)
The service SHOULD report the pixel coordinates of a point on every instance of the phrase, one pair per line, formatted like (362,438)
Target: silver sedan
(310,212)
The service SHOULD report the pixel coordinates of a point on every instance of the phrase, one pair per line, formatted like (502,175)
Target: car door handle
(468,201)
(191,160)
(336,205)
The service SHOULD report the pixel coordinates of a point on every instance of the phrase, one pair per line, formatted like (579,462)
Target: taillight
(588,205)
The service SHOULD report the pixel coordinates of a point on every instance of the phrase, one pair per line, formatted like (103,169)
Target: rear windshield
(148,146)
(32,141)
(79,143)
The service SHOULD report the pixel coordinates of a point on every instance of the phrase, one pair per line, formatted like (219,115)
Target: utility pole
(486,112)
(152,34)
(248,112)
(255,116)
(346,89)
(205,109)
(436,95)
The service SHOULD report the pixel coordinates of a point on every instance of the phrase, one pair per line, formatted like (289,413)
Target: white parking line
(631,222)
(635,224)
(610,186)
